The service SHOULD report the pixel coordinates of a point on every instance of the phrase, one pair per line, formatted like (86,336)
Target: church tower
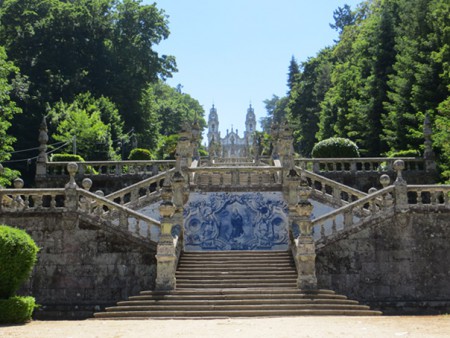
(213,126)
(250,125)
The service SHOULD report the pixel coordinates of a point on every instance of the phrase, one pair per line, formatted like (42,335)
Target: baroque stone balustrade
(142,193)
(30,200)
(96,208)
(236,178)
(376,206)
(360,164)
(110,168)
(119,217)
(331,192)
(426,196)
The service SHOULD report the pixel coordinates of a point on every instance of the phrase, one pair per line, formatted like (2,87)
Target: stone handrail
(429,196)
(111,168)
(235,176)
(141,193)
(359,164)
(26,200)
(331,192)
(374,206)
(118,217)
(96,208)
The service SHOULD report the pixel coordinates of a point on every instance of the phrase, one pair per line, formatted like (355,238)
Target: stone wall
(400,266)
(80,268)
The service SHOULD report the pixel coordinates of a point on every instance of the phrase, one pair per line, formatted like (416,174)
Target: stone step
(234,313)
(234,285)
(246,269)
(235,307)
(232,274)
(245,291)
(235,301)
(238,253)
(253,265)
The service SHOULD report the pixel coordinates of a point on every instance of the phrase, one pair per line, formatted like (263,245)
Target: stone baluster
(306,248)
(42,159)
(19,203)
(71,188)
(385,180)
(166,251)
(400,188)
(87,185)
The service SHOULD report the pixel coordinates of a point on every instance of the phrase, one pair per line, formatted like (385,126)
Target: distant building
(232,145)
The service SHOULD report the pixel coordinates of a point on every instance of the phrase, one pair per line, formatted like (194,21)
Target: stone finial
(18,183)
(86,184)
(385,180)
(72,168)
(100,193)
(372,190)
(399,166)
(43,139)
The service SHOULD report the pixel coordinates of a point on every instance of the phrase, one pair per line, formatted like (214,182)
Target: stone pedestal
(306,263)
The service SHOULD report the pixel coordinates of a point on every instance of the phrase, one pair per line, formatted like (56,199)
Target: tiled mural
(236,221)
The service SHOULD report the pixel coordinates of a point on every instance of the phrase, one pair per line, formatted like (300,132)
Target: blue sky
(233,52)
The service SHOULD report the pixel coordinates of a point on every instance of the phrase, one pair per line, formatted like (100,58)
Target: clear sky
(236,52)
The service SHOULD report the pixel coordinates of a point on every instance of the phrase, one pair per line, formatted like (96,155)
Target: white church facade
(232,145)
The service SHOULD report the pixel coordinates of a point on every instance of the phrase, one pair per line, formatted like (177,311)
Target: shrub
(404,153)
(17,257)
(16,309)
(66,158)
(140,154)
(335,147)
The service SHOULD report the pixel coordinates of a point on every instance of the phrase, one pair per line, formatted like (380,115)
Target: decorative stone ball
(18,183)
(72,168)
(399,165)
(100,193)
(385,180)
(86,183)
(372,190)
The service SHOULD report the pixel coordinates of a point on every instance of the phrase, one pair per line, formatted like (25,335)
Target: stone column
(42,159)
(285,146)
(306,247)
(71,188)
(184,150)
(195,139)
(166,251)
(400,188)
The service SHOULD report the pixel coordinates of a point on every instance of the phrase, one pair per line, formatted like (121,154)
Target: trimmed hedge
(335,147)
(18,254)
(16,309)
(405,153)
(66,158)
(140,154)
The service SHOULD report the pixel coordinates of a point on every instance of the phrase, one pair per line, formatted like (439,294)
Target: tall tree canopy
(105,47)
(388,69)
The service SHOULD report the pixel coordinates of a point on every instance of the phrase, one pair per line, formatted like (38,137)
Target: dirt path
(407,326)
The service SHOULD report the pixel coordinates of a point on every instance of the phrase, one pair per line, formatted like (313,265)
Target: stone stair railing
(110,168)
(331,192)
(351,217)
(428,196)
(142,193)
(97,209)
(235,177)
(360,164)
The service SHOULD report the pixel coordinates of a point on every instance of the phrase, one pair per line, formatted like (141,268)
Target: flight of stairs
(235,284)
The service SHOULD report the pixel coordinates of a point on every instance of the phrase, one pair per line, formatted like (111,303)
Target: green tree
(91,121)
(276,112)
(70,47)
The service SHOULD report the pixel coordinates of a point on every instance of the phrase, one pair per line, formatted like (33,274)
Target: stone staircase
(235,284)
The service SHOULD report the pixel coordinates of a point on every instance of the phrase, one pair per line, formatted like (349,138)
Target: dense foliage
(335,147)
(91,66)
(16,309)
(17,257)
(388,69)
(66,158)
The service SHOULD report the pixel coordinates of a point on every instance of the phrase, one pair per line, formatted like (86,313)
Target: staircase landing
(235,284)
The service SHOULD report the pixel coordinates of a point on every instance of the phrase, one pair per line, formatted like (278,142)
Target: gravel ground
(383,326)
